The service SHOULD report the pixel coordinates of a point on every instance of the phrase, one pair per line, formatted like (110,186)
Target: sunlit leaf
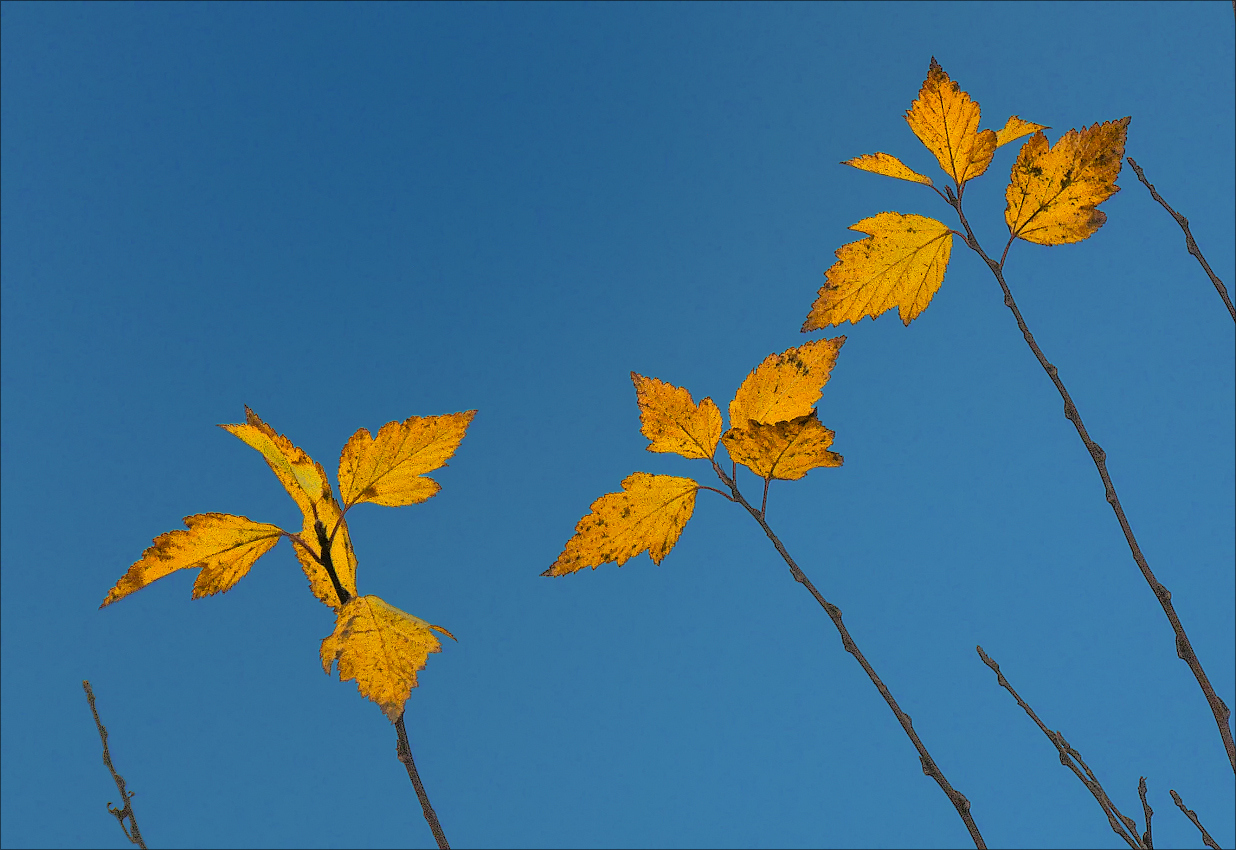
(901,265)
(1053,191)
(673,422)
(889,166)
(946,121)
(223,546)
(785,450)
(647,516)
(306,482)
(389,469)
(786,385)
(1014,129)
(382,648)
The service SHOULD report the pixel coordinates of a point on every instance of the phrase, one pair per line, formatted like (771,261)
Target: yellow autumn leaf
(889,166)
(946,121)
(306,482)
(673,422)
(900,265)
(786,385)
(784,450)
(1014,129)
(382,648)
(1053,191)
(389,469)
(647,516)
(223,546)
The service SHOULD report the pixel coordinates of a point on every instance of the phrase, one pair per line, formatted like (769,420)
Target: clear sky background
(342,215)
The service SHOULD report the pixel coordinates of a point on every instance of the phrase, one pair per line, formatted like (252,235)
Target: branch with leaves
(776,434)
(1051,199)
(131,831)
(374,643)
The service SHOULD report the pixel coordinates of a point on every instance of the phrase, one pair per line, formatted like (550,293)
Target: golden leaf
(382,648)
(306,482)
(223,546)
(1014,129)
(946,121)
(388,469)
(786,385)
(901,265)
(673,422)
(1053,192)
(889,166)
(647,516)
(784,450)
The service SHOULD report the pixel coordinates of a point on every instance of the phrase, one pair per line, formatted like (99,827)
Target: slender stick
(1123,826)
(1149,812)
(1184,649)
(1189,242)
(1192,815)
(958,799)
(131,831)
(404,751)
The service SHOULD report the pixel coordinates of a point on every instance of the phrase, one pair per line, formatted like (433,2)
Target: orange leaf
(1014,129)
(223,546)
(889,166)
(673,422)
(388,469)
(1053,192)
(901,265)
(647,516)
(306,482)
(946,121)
(382,648)
(786,385)
(784,450)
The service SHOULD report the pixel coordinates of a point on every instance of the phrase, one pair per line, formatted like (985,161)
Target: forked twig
(1184,649)
(929,766)
(131,831)
(1192,815)
(404,751)
(1189,241)
(1123,826)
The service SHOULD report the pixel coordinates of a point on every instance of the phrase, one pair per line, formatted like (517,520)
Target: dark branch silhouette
(404,751)
(131,831)
(1189,813)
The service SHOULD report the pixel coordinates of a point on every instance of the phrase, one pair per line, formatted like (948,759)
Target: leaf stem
(1071,759)
(1184,649)
(1190,244)
(1192,815)
(328,563)
(131,831)
(404,751)
(958,799)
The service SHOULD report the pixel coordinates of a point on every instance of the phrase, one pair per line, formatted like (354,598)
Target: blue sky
(344,215)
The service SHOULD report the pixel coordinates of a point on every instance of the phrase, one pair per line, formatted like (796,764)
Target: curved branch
(929,766)
(1184,649)
(131,831)
(404,751)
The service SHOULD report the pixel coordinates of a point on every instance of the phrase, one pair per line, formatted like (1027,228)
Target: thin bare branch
(1123,826)
(1184,649)
(131,831)
(1190,244)
(1149,813)
(1192,815)
(928,764)
(404,751)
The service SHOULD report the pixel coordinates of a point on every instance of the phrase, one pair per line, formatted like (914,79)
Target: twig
(1189,242)
(404,751)
(958,799)
(1192,815)
(1184,649)
(131,831)
(1123,826)
(1141,792)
